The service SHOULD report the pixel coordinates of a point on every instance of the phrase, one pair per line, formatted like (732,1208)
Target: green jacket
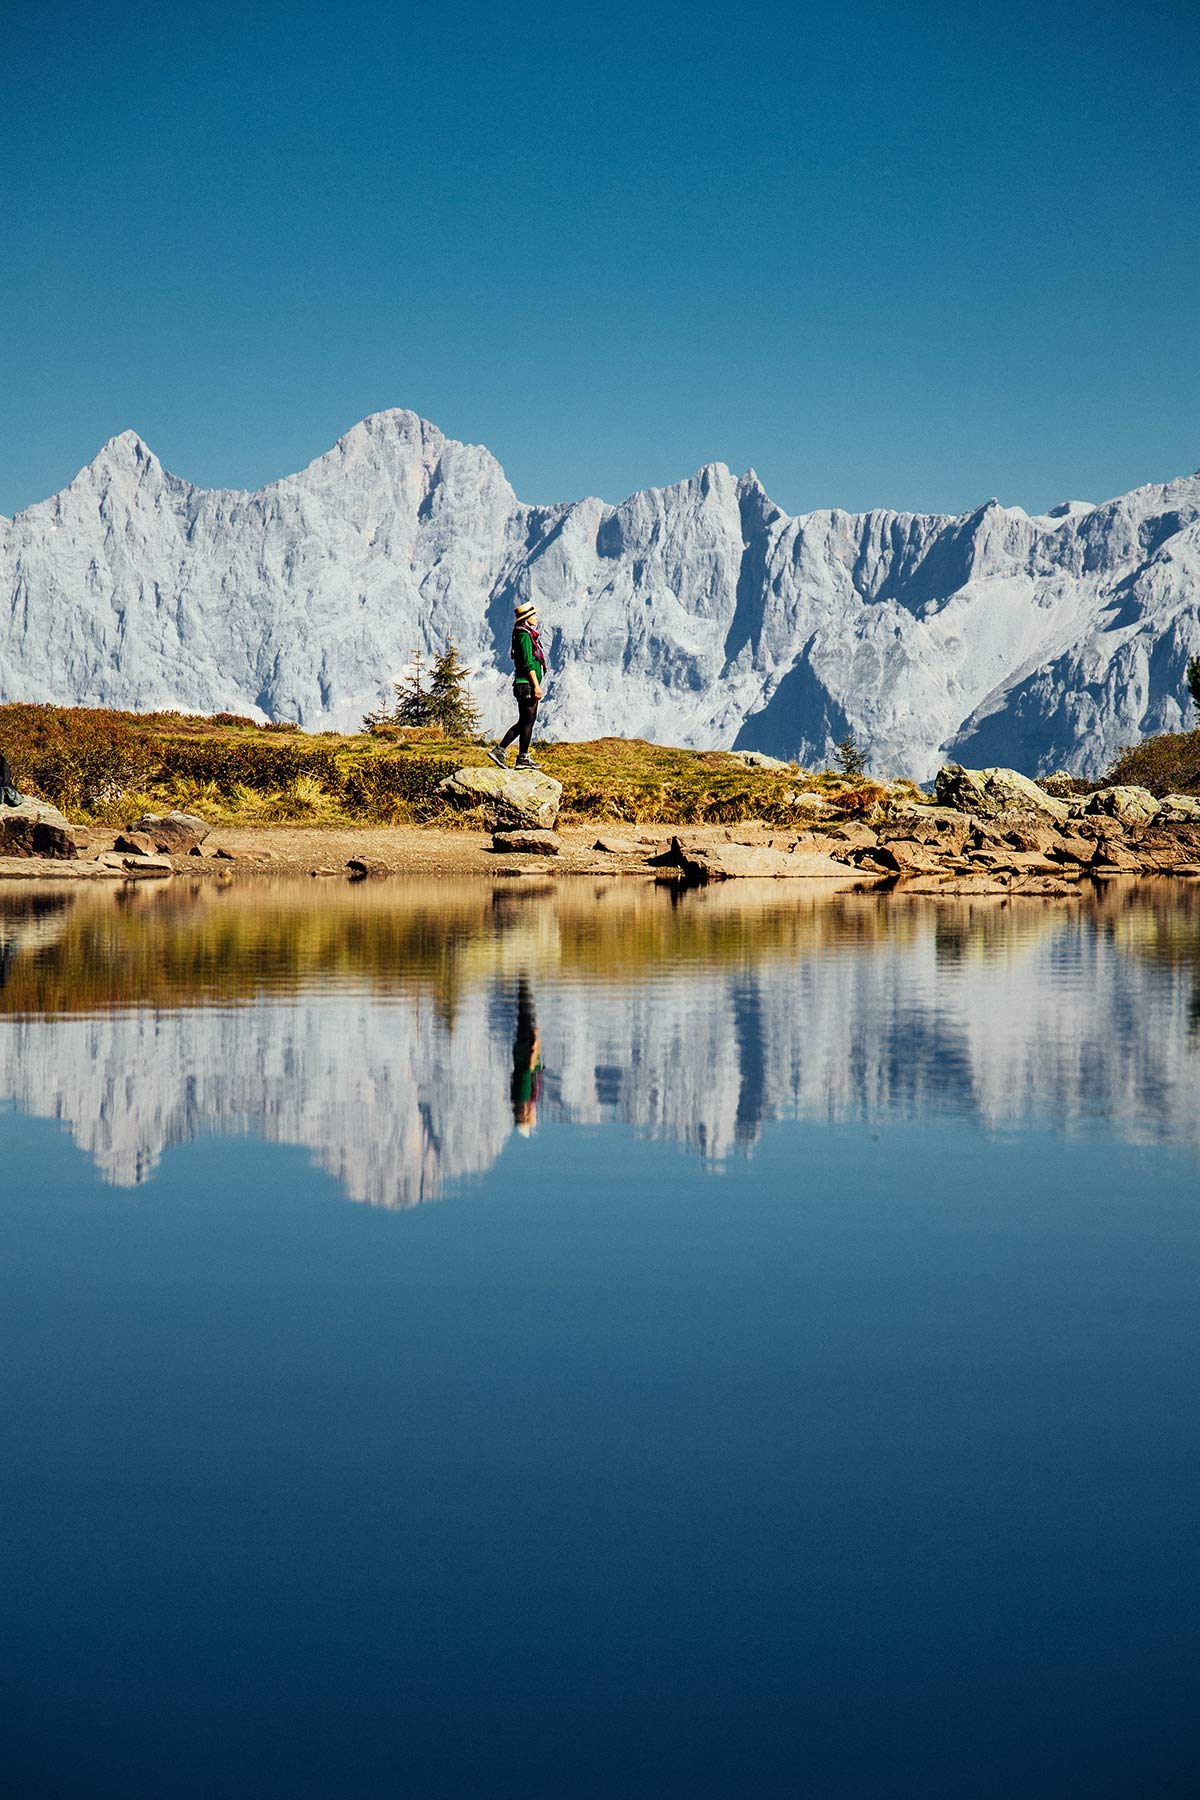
(528,665)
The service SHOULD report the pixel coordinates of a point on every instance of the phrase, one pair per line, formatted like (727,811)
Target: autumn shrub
(396,787)
(263,765)
(856,802)
(79,757)
(234,721)
(302,801)
(1167,764)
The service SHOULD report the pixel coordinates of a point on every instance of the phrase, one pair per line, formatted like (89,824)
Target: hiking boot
(526,762)
(498,756)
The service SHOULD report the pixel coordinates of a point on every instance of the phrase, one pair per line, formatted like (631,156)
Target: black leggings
(527,705)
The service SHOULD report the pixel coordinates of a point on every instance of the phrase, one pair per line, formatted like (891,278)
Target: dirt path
(397,850)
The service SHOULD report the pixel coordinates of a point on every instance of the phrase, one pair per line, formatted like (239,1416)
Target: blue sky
(909,255)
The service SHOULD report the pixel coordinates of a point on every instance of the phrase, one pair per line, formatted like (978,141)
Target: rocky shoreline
(985,832)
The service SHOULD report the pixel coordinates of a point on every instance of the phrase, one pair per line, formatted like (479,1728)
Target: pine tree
(413,704)
(1193,681)
(414,701)
(851,760)
(451,703)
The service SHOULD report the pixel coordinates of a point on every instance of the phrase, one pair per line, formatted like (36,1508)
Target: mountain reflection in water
(401,1032)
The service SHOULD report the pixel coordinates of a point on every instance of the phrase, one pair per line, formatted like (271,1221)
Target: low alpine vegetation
(108,766)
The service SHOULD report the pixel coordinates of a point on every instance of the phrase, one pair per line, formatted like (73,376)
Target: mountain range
(699,614)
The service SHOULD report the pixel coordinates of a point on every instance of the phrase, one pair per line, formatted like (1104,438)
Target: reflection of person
(529,672)
(527,1063)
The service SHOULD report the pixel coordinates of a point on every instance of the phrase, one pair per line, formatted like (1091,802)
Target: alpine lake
(485,1339)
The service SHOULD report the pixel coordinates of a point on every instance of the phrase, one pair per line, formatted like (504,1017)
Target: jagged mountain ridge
(697,614)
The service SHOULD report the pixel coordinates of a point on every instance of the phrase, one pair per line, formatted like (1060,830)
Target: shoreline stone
(525,843)
(992,793)
(524,799)
(169,834)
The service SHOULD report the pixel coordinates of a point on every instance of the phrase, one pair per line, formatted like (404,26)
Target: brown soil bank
(930,851)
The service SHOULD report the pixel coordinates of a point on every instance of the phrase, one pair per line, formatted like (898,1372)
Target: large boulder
(521,798)
(1131,805)
(1178,809)
(816,805)
(758,759)
(35,828)
(993,793)
(173,833)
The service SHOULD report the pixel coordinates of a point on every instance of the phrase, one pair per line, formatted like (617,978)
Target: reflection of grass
(110,766)
(179,947)
(96,949)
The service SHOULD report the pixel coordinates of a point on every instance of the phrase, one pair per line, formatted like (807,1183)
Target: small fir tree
(851,760)
(451,701)
(414,701)
(1193,681)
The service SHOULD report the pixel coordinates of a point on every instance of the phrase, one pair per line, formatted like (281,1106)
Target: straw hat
(525,612)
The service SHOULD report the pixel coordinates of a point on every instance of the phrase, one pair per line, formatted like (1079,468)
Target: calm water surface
(478,1342)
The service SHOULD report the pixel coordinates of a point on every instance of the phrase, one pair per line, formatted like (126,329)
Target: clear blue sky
(905,254)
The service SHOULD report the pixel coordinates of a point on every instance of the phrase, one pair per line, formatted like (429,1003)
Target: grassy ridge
(108,766)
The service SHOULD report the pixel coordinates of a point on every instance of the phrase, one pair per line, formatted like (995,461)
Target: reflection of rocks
(693,1021)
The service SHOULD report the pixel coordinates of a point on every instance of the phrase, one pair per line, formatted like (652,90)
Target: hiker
(529,664)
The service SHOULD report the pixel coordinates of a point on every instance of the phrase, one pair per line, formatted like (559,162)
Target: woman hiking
(529,664)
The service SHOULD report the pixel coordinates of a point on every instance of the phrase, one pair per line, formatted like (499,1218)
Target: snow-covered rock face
(696,614)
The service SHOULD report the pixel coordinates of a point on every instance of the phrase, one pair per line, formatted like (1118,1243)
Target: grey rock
(520,798)
(1178,809)
(173,833)
(994,793)
(854,834)
(148,865)
(1131,805)
(36,828)
(758,759)
(725,862)
(620,846)
(526,843)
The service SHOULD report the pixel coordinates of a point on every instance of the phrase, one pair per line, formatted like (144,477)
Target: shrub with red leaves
(77,756)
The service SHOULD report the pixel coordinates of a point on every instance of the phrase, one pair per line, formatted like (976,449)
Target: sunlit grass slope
(107,766)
